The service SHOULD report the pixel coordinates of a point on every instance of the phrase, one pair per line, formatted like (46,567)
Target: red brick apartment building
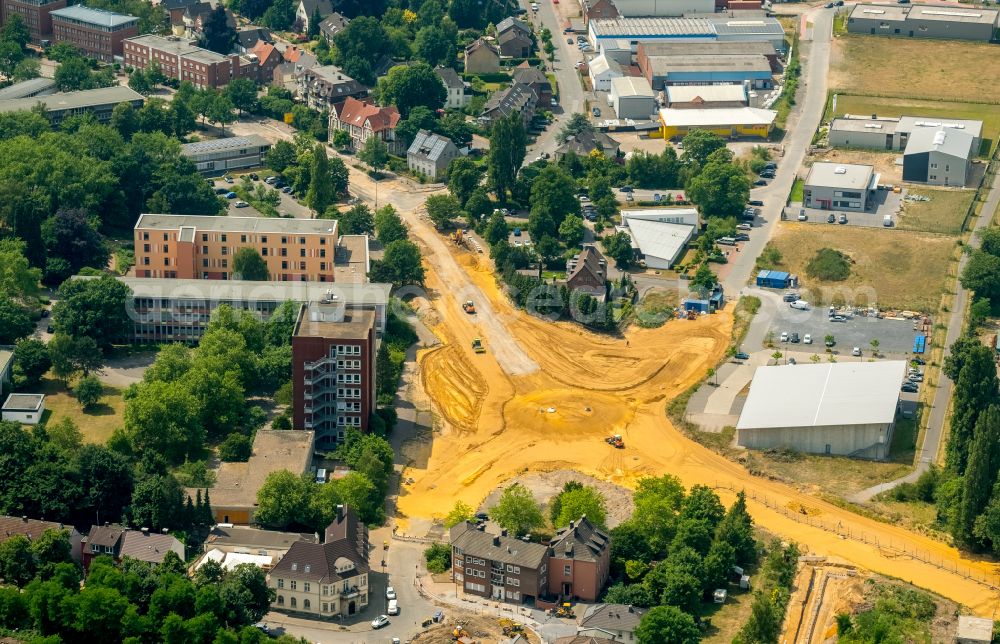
(202,247)
(333,370)
(95,32)
(179,58)
(35,13)
(579,561)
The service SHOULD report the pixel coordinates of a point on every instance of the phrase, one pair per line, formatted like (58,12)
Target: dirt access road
(496,423)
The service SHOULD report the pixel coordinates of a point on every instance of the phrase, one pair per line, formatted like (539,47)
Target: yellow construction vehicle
(510,627)
(477,345)
(615,441)
(469,307)
(566,610)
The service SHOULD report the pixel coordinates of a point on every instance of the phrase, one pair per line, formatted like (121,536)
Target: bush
(282,422)
(829,265)
(438,557)
(236,448)
(88,391)
(283,395)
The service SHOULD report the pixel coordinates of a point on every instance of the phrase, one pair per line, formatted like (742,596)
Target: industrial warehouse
(841,408)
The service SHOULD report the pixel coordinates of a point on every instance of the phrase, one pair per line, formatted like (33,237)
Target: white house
(24,408)
(602,70)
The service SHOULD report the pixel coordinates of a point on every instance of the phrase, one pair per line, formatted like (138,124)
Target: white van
(887,221)
(393,607)
(801,305)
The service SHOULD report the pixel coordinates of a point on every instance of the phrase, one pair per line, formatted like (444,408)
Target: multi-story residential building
(588,272)
(525,74)
(181,59)
(34,528)
(193,246)
(217,156)
(333,370)
(99,102)
(482,57)
(579,561)
(36,15)
(329,579)
(498,567)
(363,120)
(268,59)
(430,154)
(120,542)
(457,98)
(178,310)
(517,98)
(322,87)
(95,32)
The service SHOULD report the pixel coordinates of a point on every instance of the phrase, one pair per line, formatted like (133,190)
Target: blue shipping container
(700,306)
(773,279)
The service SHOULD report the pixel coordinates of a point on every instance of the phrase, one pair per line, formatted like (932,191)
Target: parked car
(596,112)
(807,339)
(380,621)
(221,191)
(569,41)
(287,190)
(760,182)
(270,179)
(254,176)
(794,339)
(741,237)
(830,343)
(393,608)
(919,361)
(792,361)
(625,189)
(909,388)
(770,165)
(803,216)
(767,174)
(784,336)
(742,356)
(755,202)
(801,305)
(843,218)
(743,227)
(517,232)
(838,318)
(241,204)
(228,179)
(856,351)
(831,218)
(791,296)
(390,592)
(230,195)
(45,313)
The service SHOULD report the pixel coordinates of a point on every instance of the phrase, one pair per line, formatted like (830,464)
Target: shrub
(829,265)
(438,557)
(88,391)
(236,448)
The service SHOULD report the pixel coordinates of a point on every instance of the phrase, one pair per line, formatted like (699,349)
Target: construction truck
(566,610)
(457,237)
(615,441)
(469,307)
(510,627)
(477,345)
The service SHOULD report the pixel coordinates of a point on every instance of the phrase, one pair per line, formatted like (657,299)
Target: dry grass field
(935,69)
(97,424)
(944,213)
(893,268)
(988,113)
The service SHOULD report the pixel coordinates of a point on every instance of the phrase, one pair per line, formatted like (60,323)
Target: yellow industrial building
(730,122)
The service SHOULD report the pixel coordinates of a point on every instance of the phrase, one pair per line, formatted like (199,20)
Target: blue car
(230,195)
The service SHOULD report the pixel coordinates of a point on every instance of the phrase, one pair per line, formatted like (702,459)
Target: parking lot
(289,205)
(884,202)
(895,337)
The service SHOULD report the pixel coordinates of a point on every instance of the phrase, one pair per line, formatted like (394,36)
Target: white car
(380,621)
(784,336)
(241,204)
(856,351)
(807,339)
(393,608)
(390,592)
(801,305)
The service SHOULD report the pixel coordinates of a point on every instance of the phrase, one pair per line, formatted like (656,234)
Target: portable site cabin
(773,279)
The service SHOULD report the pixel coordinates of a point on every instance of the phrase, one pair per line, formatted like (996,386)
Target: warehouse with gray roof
(99,102)
(842,408)
(607,34)
(893,134)
(959,22)
(938,156)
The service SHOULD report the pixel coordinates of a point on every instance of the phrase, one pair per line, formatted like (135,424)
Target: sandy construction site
(545,395)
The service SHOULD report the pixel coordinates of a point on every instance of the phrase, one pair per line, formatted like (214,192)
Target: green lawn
(97,424)
(944,213)
(797,189)
(892,107)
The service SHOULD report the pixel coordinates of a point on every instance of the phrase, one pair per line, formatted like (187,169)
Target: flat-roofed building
(181,59)
(663,71)
(218,156)
(23,408)
(196,246)
(839,186)
(179,310)
(333,370)
(99,102)
(6,368)
(632,98)
(682,97)
(28,88)
(715,48)
(662,8)
(727,122)
(940,157)
(887,133)
(924,21)
(843,408)
(95,32)
(36,15)
(717,28)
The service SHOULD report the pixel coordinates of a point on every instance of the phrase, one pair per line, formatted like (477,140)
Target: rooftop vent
(840,170)
(939,137)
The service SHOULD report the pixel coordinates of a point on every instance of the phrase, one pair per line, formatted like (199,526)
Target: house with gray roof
(580,554)
(120,542)
(332,25)
(430,154)
(517,98)
(588,272)
(28,88)
(536,79)
(457,98)
(322,87)
(514,38)
(306,9)
(498,566)
(938,156)
(584,143)
(482,57)
(616,622)
(325,580)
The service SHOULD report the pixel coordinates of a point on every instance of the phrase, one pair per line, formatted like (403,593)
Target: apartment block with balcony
(498,567)
(36,15)
(325,580)
(323,87)
(333,370)
(193,246)
(95,32)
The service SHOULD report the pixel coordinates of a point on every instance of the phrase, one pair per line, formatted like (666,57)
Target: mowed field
(942,69)
(988,113)
(97,424)
(944,213)
(893,268)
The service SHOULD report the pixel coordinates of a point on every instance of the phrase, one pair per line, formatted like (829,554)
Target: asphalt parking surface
(895,337)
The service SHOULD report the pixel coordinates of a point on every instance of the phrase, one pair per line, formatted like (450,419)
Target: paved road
(815,57)
(942,396)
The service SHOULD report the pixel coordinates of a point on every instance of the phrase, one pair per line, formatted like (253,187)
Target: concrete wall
(26,417)
(635,107)
(841,440)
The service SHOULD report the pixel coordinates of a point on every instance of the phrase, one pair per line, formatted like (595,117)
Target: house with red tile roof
(34,528)
(363,120)
(268,58)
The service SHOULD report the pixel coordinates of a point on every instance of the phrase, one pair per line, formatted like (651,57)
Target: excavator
(469,307)
(615,441)
(477,345)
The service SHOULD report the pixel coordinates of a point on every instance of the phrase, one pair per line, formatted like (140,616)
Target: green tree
(703,278)
(496,229)
(699,144)
(15,321)
(374,154)
(17,564)
(217,33)
(552,199)
(442,209)
(464,176)
(736,529)
(460,512)
(585,501)
(243,94)
(720,189)
(26,70)
(434,46)
(577,124)
(618,246)
(517,510)
(11,56)
(163,418)
(236,448)
(280,156)
(73,74)
(14,30)
(400,264)
(667,624)
(70,355)
(249,265)
(95,308)
(362,41)
(314,21)
(64,435)
(284,500)
(980,474)
(389,226)
(975,389)
(245,595)
(340,139)
(31,361)
(321,193)
(571,230)
(981,275)
(764,624)
(438,558)
(71,235)
(508,144)
(356,220)
(88,392)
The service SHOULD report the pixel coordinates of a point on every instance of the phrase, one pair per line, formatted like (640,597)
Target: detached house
(586,142)
(328,579)
(363,120)
(457,98)
(616,622)
(120,542)
(332,25)
(34,528)
(536,79)
(588,272)
(514,38)
(580,554)
(430,154)
(305,9)
(481,57)
(517,98)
